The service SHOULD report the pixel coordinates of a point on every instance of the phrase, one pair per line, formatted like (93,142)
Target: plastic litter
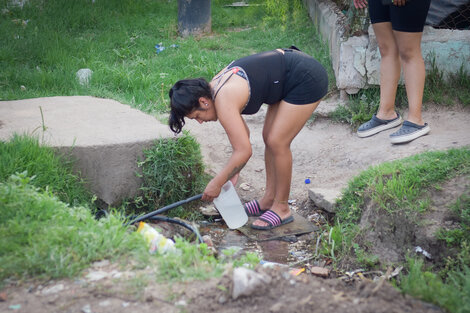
(418,249)
(15,307)
(307,181)
(156,241)
(160,47)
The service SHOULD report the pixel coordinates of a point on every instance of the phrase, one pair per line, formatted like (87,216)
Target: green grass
(399,185)
(47,230)
(44,238)
(402,186)
(51,171)
(116,39)
(453,294)
(172,170)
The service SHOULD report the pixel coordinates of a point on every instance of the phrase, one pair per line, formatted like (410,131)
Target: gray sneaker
(376,125)
(408,132)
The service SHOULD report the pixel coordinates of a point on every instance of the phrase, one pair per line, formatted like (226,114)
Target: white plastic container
(230,207)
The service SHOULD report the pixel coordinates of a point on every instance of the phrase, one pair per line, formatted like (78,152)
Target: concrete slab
(324,198)
(104,136)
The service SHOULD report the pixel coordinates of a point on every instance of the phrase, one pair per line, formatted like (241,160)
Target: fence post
(194,17)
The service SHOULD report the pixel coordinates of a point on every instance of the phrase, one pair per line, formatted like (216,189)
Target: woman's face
(205,113)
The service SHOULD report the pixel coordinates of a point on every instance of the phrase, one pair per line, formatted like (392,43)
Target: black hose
(175,221)
(164,209)
(152,216)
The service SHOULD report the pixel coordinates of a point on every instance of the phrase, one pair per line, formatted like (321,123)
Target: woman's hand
(399,3)
(361,4)
(212,191)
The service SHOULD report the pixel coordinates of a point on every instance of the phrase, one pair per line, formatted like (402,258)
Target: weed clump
(172,170)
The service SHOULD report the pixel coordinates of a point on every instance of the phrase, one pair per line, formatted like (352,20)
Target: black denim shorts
(306,79)
(408,18)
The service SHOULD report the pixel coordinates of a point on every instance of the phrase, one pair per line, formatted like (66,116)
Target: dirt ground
(326,152)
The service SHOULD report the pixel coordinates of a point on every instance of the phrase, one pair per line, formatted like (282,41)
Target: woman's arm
(230,101)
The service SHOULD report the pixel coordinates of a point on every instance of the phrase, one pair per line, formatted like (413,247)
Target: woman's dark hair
(184,98)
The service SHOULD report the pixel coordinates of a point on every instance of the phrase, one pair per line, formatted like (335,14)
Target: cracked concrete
(104,136)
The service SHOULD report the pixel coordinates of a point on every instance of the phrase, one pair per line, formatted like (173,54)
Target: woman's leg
(409,47)
(389,69)
(270,190)
(284,122)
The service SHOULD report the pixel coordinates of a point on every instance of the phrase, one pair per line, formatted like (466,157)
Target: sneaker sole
(407,138)
(380,128)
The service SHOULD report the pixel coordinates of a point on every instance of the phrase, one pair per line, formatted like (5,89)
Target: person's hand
(399,3)
(360,4)
(212,191)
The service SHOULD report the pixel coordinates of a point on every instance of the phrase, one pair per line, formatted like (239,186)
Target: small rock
(104,303)
(222,299)
(320,271)
(247,282)
(209,210)
(102,263)
(86,309)
(23,88)
(3,296)
(84,76)
(96,275)
(245,186)
(208,240)
(324,198)
(181,302)
(277,307)
(53,299)
(54,289)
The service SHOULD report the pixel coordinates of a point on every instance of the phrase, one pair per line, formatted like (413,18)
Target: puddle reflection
(223,238)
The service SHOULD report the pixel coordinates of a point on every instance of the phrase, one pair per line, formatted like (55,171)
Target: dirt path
(328,153)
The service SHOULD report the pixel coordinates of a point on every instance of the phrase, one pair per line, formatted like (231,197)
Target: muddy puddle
(291,247)
(291,250)
(226,239)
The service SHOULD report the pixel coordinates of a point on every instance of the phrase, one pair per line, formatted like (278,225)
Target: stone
(247,282)
(324,198)
(104,137)
(320,271)
(54,289)
(84,76)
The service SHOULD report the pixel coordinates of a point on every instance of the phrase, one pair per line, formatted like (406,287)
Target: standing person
(398,27)
(292,83)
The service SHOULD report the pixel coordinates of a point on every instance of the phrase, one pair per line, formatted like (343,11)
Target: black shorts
(306,79)
(408,18)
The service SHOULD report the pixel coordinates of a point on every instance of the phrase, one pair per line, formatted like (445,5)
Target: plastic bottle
(156,241)
(230,207)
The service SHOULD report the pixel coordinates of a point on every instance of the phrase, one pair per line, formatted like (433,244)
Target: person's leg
(386,116)
(389,69)
(266,201)
(409,47)
(286,121)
